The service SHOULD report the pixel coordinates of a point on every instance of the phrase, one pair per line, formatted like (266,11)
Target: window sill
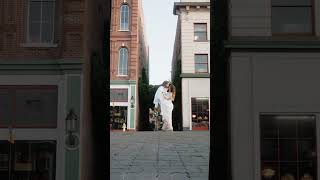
(201,41)
(41,45)
(122,75)
(124,30)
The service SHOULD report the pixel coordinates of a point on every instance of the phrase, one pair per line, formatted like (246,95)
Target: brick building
(46,49)
(129,55)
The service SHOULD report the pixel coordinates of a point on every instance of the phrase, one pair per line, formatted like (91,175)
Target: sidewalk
(180,155)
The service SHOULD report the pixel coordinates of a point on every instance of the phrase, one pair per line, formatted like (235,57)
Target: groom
(158,95)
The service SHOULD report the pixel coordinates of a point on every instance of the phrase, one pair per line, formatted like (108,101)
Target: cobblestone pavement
(157,155)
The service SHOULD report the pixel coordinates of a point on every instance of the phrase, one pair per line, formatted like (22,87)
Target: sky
(160,24)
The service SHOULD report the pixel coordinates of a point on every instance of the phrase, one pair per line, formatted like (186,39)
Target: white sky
(160,24)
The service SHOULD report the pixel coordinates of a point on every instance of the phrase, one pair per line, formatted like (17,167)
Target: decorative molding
(122,82)
(178,5)
(40,66)
(272,44)
(40,45)
(195,75)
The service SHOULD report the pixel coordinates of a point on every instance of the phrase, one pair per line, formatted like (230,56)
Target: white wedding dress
(166,110)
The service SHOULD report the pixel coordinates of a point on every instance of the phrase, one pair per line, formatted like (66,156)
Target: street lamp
(132,102)
(72,139)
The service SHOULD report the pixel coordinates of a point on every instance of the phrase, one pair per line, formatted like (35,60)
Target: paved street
(160,155)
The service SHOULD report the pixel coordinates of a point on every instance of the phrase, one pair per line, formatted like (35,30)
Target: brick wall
(131,40)
(68,30)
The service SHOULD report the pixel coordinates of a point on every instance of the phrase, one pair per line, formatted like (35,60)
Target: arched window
(123,62)
(124,17)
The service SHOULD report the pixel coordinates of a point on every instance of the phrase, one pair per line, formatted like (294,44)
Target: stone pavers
(157,155)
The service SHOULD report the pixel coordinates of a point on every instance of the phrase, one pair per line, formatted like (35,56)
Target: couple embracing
(163,101)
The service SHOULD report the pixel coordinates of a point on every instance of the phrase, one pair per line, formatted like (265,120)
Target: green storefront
(36,140)
(123,95)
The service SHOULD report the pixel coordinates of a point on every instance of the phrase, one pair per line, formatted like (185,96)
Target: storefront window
(28,106)
(118,116)
(118,95)
(4,160)
(288,147)
(28,160)
(200,113)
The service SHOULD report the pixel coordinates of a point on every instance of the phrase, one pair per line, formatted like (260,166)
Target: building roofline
(177,5)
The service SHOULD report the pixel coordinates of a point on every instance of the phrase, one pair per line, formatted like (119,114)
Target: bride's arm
(173,96)
(166,96)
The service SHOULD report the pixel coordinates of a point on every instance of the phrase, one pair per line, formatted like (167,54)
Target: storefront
(33,127)
(196,103)
(123,106)
(275,132)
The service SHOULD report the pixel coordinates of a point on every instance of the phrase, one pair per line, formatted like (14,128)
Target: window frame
(313,23)
(195,63)
(194,32)
(120,89)
(120,19)
(127,61)
(53,22)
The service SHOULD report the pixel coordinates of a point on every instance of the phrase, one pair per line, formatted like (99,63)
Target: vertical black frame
(220,151)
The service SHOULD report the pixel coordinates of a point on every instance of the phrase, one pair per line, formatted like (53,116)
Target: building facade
(192,55)
(129,55)
(274,61)
(45,50)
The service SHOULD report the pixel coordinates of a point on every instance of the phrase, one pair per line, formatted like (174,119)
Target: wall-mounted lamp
(71,122)
(132,102)
(11,135)
(72,139)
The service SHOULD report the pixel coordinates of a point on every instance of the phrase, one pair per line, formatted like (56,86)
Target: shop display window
(288,147)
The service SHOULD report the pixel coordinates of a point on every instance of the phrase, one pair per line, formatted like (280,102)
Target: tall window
(297,18)
(288,147)
(124,18)
(200,31)
(41,21)
(201,63)
(123,62)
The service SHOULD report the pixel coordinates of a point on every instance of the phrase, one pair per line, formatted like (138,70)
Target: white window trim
(39,44)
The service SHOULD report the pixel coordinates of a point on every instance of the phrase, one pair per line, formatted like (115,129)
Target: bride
(167,107)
